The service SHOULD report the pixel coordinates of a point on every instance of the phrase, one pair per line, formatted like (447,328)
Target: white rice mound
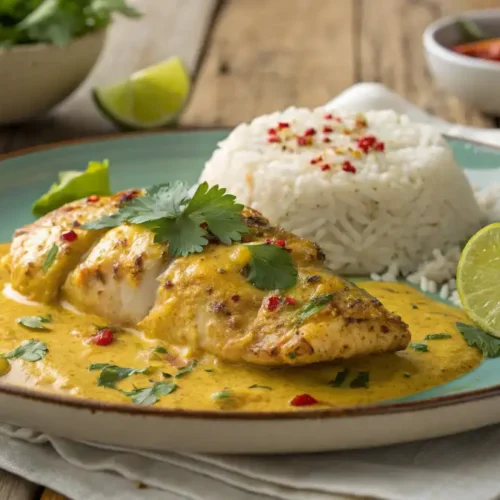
(397,210)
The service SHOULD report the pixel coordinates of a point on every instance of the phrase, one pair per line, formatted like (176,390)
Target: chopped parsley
(339,378)
(419,346)
(437,336)
(50,258)
(209,370)
(29,350)
(292,355)
(111,374)
(313,306)
(224,394)
(406,374)
(476,337)
(176,218)
(166,375)
(362,379)
(35,322)
(271,267)
(258,386)
(186,369)
(160,350)
(148,396)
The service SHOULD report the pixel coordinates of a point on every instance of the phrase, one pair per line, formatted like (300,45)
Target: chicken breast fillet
(202,302)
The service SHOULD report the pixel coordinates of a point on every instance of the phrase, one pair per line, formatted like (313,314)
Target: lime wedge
(478,278)
(152,97)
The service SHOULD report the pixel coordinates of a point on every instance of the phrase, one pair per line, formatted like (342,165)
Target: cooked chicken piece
(117,279)
(204,302)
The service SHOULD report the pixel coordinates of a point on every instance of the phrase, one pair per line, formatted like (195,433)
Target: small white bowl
(474,80)
(36,77)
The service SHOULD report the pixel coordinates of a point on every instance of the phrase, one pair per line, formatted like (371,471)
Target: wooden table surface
(249,57)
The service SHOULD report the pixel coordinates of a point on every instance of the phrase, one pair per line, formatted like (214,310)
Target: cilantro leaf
(35,322)
(224,394)
(219,211)
(258,386)
(362,379)
(437,336)
(271,267)
(29,350)
(339,378)
(148,396)
(111,374)
(50,258)
(419,346)
(313,306)
(184,236)
(186,369)
(476,337)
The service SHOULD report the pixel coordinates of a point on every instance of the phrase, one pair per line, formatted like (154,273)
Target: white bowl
(476,81)
(36,77)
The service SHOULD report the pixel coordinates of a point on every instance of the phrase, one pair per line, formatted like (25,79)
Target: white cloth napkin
(462,467)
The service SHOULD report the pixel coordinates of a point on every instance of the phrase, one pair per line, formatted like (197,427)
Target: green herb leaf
(176,218)
(166,375)
(362,379)
(111,374)
(209,370)
(313,306)
(437,336)
(35,322)
(186,369)
(339,378)
(148,396)
(50,258)
(257,386)
(419,346)
(29,350)
(406,375)
(471,32)
(75,185)
(292,355)
(271,267)
(224,394)
(160,350)
(476,337)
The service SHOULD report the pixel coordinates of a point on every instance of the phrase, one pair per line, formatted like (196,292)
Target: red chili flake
(366,142)
(235,298)
(93,198)
(303,400)
(128,196)
(273,138)
(328,116)
(301,141)
(380,146)
(325,167)
(280,243)
(282,125)
(347,166)
(272,303)
(326,139)
(103,337)
(290,300)
(327,130)
(271,131)
(69,236)
(309,132)
(337,119)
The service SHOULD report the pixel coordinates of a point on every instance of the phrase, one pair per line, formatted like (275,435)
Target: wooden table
(249,57)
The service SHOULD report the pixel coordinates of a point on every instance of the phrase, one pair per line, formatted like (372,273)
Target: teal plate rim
(464,389)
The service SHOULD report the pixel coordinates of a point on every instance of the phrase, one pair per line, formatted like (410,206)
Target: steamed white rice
(404,210)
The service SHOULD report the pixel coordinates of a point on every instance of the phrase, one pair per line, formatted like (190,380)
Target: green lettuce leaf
(74,185)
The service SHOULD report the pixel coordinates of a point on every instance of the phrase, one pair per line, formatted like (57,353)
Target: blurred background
(248,57)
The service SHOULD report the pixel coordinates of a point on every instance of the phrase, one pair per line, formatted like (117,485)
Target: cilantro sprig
(111,374)
(476,337)
(179,219)
(29,350)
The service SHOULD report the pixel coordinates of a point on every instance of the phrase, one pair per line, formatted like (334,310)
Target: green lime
(478,278)
(152,97)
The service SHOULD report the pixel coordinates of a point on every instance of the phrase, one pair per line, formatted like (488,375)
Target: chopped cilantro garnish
(186,369)
(50,258)
(406,375)
(160,350)
(224,394)
(476,337)
(292,355)
(419,346)
(111,374)
(35,322)
(166,375)
(339,378)
(313,306)
(271,267)
(150,395)
(362,379)
(257,386)
(176,218)
(29,350)
(437,336)
(209,370)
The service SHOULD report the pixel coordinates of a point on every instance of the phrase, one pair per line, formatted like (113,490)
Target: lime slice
(478,278)
(152,97)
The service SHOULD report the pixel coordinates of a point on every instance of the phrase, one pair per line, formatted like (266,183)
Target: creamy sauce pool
(65,367)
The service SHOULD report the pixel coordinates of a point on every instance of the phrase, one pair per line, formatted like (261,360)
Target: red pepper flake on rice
(347,166)
(273,138)
(325,167)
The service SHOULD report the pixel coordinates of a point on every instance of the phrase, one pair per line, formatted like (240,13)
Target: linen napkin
(461,467)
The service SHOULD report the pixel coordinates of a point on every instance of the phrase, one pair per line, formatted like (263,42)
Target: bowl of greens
(47,49)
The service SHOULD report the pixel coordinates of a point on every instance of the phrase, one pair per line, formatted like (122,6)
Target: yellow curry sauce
(65,368)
